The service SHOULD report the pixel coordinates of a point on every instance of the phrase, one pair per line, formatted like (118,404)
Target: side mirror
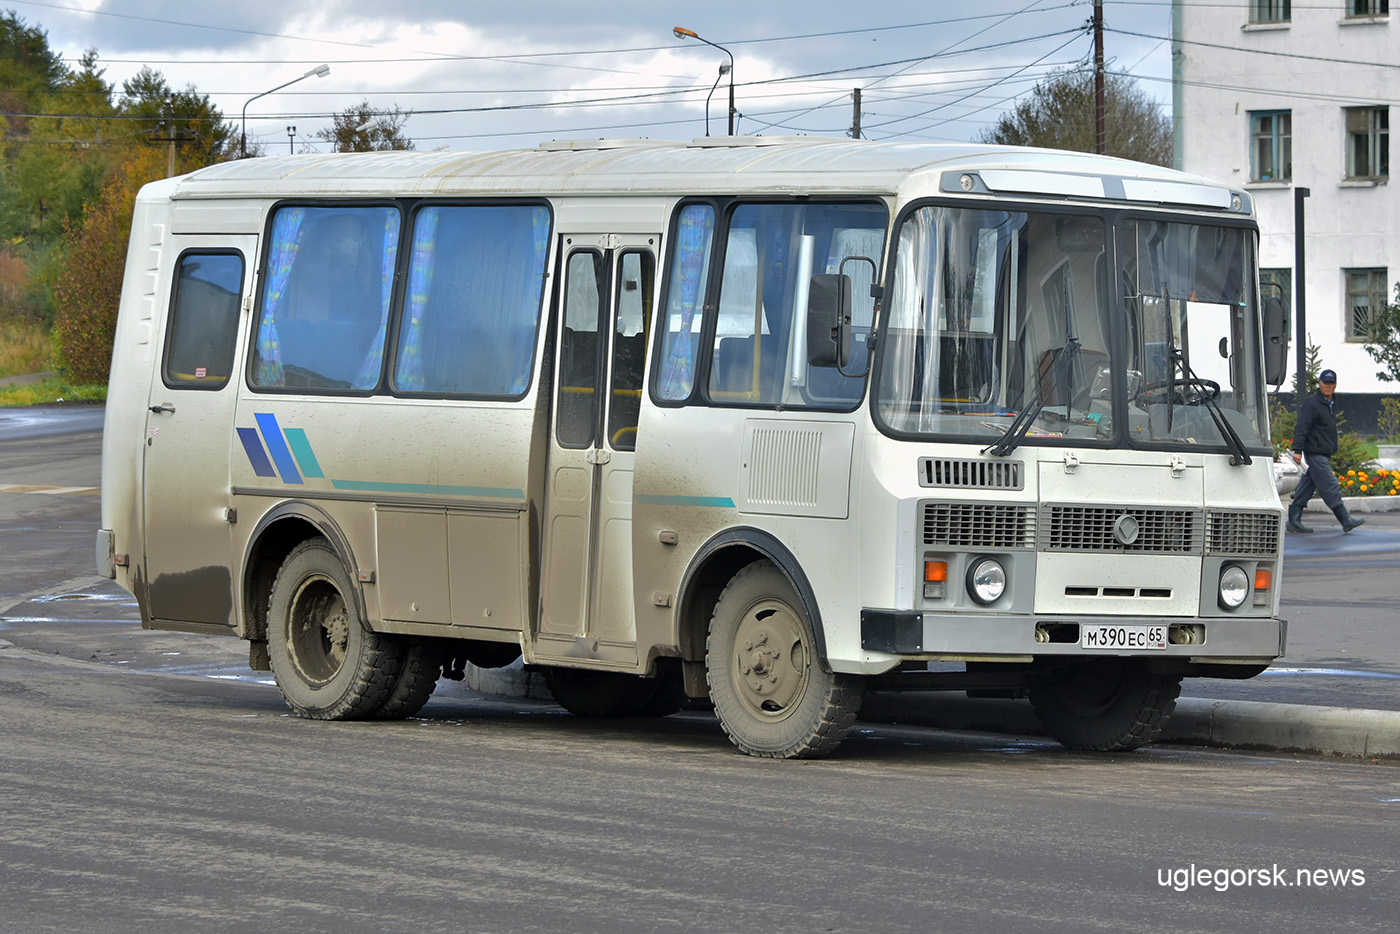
(829,320)
(1275,341)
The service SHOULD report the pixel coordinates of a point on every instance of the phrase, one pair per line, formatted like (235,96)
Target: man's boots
(1295,519)
(1344,517)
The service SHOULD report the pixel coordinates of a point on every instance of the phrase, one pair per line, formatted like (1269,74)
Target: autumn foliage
(87,290)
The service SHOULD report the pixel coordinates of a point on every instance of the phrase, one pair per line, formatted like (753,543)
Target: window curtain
(282,255)
(409,368)
(693,231)
(368,376)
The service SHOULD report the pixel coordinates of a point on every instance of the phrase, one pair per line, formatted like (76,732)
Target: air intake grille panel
(1242,533)
(970,474)
(1102,529)
(979,525)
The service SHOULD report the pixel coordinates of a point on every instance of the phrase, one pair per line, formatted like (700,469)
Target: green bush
(1389,421)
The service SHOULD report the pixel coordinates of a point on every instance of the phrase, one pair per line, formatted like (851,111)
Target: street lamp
(682,33)
(320,71)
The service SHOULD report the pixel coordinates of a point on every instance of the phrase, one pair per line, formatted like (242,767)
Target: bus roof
(711,165)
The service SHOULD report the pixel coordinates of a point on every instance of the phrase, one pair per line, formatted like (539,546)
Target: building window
(1271,145)
(1368,142)
(1365,296)
(1368,7)
(1273,11)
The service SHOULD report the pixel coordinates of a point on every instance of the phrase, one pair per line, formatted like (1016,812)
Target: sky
(476,75)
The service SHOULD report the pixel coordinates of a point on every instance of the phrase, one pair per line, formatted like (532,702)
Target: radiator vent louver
(1098,529)
(979,525)
(970,474)
(1242,533)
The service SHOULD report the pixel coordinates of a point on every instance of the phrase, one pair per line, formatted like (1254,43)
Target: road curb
(1330,731)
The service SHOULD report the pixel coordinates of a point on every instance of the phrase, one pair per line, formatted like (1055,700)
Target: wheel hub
(770,662)
(337,627)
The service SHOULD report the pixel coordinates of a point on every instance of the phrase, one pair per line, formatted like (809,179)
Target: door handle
(163,407)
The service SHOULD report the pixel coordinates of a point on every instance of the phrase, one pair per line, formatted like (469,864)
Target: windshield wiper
(1068,358)
(1017,429)
(1173,355)
(1238,455)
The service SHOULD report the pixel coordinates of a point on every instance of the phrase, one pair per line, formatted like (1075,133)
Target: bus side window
(633,303)
(472,308)
(203,320)
(325,305)
(688,274)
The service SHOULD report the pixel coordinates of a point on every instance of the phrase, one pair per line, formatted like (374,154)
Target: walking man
(1316,438)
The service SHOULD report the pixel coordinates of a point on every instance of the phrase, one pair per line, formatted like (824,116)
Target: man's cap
(1327,376)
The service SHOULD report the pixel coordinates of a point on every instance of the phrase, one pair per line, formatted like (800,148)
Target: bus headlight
(1234,587)
(986,580)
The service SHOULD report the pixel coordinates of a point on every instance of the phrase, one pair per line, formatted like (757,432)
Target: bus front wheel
(1105,704)
(327,663)
(770,691)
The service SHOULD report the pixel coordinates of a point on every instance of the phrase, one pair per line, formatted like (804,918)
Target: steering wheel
(1197,391)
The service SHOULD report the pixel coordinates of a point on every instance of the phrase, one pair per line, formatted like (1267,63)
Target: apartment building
(1276,95)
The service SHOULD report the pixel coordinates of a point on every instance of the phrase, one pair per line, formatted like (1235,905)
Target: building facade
(1277,95)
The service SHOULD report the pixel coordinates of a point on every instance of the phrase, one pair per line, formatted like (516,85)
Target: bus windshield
(1010,327)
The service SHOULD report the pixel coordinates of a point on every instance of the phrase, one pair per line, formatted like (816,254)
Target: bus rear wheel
(327,663)
(419,671)
(770,691)
(1105,704)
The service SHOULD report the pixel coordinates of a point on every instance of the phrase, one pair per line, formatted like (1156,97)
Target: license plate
(1123,638)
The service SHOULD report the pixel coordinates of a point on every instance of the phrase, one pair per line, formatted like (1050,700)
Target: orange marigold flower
(1364,488)
(1351,473)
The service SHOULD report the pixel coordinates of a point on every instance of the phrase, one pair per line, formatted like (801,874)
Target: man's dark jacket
(1317,427)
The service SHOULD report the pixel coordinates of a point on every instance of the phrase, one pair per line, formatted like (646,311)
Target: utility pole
(855,115)
(1100,133)
(172,136)
(1300,290)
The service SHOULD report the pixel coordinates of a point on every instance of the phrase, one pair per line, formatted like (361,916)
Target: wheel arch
(718,560)
(281,529)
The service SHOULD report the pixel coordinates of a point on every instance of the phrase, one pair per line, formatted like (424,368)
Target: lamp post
(320,71)
(682,33)
(292,140)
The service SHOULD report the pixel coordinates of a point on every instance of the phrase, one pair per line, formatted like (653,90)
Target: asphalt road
(151,784)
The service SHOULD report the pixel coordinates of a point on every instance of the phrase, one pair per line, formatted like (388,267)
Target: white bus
(772,422)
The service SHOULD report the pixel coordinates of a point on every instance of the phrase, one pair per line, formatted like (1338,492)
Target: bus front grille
(970,474)
(1242,533)
(979,525)
(1122,529)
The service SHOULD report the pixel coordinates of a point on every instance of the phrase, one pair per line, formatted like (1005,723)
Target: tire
(1107,705)
(327,664)
(771,694)
(418,677)
(586,693)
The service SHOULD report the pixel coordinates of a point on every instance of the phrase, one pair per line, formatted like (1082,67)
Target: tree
(1384,343)
(1059,114)
(202,135)
(87,289)
(360,128)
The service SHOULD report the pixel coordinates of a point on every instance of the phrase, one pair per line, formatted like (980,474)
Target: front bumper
(939,636)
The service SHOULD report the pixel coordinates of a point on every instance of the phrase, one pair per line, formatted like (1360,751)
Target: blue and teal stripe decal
(274,451)
(648,499)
